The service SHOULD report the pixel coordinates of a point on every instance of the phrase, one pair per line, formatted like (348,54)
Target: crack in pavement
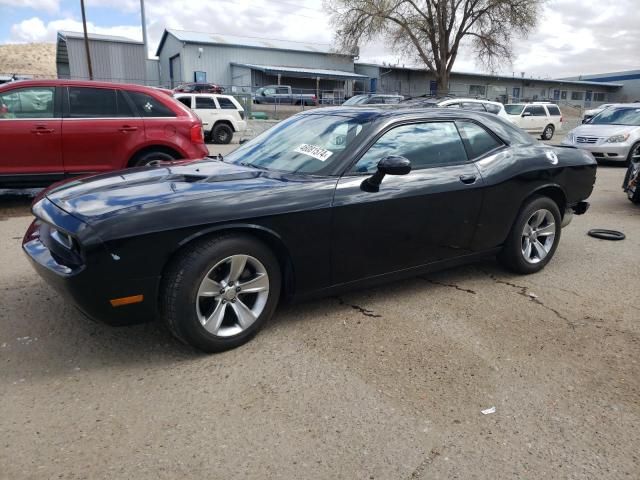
(522,290)
(450,285)
(364,311)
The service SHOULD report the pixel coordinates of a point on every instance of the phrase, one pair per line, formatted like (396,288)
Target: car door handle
(41,129)
(468,179)
(127,128)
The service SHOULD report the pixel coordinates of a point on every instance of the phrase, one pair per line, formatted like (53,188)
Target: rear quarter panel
(517,173)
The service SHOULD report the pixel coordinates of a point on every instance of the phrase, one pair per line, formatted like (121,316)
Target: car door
(425,216)
(207,110)
(30,131)
(100,130)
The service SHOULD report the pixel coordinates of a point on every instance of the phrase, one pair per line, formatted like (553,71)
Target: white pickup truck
(221,115)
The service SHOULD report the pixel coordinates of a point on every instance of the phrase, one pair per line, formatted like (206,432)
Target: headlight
(570,138)
(62,238)
(618,138)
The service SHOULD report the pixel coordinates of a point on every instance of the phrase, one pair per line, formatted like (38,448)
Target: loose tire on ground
(221,134)
(513,256)
(188,299)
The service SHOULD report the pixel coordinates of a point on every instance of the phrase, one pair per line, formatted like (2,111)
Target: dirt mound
(37,59)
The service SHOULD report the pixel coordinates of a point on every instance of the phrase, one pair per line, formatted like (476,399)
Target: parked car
(51,129)
(327,200)
(221,115)
(631,183)
(589,114)
(539,118)
(613,134)
(198,88)
(282,94)
(373,99)
(475,104)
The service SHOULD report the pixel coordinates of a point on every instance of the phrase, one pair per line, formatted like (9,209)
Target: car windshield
(302,144)
(514,109)
(618,116)
(357,100)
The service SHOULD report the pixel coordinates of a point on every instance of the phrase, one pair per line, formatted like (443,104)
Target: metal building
(113,59)
(629,79)
(245,63)
(415,82)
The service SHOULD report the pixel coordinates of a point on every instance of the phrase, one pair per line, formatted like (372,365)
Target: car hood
(157,188)
(602,130)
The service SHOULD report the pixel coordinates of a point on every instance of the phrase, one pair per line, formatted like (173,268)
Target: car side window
(205,103)
(269,91)
(375,101)
(283,91)
(536,110)
(186,101)
(553,110)
(423,144)
(477,140)
(87,102)
(36,102)
(226,104)
(149,106)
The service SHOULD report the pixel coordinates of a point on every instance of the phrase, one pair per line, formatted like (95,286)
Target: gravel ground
(386,383)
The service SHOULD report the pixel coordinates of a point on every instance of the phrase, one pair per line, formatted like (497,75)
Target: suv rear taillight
(560,118)
(197,136)
(241,112)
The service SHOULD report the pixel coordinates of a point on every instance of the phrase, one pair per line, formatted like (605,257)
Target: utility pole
(144,29)
(86,40)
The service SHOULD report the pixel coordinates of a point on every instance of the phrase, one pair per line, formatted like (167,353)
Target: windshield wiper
(251,165)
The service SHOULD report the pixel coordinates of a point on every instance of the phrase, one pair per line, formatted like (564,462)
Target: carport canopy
(301,72)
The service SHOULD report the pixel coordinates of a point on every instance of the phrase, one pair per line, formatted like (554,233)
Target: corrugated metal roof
(96,36)
(501,77)
(242,41)
(302,72)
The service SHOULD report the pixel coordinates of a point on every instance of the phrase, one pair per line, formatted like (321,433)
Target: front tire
(547,133)
(219,292)
(534,237)
(633,172)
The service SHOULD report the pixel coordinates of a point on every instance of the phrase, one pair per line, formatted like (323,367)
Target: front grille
(586,139)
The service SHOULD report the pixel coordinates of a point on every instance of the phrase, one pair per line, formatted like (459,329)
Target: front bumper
(605,151)
(92,284)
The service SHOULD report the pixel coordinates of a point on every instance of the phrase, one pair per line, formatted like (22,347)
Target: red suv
(198,88)
(51,129)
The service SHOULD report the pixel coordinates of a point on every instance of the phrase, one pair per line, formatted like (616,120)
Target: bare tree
(432,31)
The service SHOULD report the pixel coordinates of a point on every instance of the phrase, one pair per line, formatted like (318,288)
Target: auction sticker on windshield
(316,152)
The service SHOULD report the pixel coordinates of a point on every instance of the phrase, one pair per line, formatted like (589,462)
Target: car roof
(77,83)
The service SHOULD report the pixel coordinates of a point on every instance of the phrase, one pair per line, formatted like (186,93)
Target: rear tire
(154,157)
(221,134)
(205,299)
(547,133)
(534,236)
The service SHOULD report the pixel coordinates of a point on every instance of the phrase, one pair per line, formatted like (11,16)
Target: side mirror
(526,114)
(392,165)
(263,93)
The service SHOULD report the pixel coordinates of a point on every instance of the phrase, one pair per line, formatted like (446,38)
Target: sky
(573,37)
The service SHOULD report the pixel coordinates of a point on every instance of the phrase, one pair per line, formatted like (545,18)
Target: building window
(563,95)
(598,97)
(577,95)
(477,90)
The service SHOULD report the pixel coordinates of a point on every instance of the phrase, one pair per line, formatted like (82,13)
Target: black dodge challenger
(327,200)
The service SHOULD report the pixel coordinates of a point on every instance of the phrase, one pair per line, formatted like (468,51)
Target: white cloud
(49,6)
(35,30)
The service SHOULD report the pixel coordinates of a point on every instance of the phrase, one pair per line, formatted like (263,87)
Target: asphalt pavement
(385,383)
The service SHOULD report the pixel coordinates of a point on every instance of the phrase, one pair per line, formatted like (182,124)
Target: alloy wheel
(232,295)
(538,235)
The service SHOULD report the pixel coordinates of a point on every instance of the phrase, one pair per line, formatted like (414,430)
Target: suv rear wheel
(221,133)
(153,157)
(547,133)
